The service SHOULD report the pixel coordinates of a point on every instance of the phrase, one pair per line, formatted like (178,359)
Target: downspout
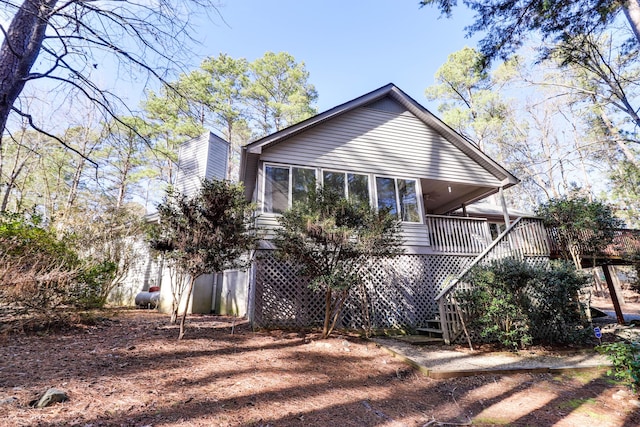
(214,291)
(505,212)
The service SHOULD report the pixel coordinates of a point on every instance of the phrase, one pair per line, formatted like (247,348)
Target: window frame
(346,173)
(289,185)
(395,179)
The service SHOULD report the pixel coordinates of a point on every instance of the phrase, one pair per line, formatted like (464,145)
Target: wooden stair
(432,333)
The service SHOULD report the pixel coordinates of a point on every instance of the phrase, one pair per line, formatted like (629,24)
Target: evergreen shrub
(513,302)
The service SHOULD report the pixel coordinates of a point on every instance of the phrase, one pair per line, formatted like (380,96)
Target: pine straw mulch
(128,369)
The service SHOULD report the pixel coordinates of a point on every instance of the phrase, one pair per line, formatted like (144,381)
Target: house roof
(393,92)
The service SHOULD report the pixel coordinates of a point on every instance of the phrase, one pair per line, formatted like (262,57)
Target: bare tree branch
(64,144)
(66,35)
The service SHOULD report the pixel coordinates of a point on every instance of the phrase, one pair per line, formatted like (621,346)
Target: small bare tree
(113,239)
(207,233)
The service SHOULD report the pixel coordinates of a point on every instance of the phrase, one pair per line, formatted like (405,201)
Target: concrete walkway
(436,362)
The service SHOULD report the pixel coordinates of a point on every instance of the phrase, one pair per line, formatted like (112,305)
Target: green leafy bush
(496,303)
(330,240)
(555,307)
(582,227)
(626,362)
(93,284)
(209,232)
(40,271)
(512,302)
(37,270)
(24,236)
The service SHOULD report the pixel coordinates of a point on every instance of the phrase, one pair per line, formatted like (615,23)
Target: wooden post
(617,284)
(598,284)
(613,293)
(505,212)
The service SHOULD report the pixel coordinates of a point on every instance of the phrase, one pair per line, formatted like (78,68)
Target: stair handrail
(482,255)
(451,287)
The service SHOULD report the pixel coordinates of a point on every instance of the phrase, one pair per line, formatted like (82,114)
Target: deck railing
(526,237)
(626,243)
(458,235)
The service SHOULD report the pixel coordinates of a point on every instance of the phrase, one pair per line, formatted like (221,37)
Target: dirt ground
(129,369)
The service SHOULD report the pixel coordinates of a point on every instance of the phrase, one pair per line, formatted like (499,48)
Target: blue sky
(350,47)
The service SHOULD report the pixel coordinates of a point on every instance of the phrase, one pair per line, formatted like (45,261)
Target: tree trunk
(632,12)
(327,313)
(176,293)
(75,184)
(122,186)
(183,319)
(337,309)
(19,51)
(619,140)
(10,185)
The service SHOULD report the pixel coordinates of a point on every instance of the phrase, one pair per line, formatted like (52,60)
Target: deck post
(612,292)
(505,212)
(444,321)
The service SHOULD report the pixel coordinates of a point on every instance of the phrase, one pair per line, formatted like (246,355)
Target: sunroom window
(352,186)
(399,196)
(285,186)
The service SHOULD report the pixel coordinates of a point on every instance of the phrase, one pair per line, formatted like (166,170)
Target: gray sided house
(390,150)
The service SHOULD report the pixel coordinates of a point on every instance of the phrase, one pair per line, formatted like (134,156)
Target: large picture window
(285,186)
(399,196)
(351,186)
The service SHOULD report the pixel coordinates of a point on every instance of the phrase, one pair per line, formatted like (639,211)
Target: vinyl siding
(414,235)
(380,142)
(199,158)
(387,104)
(267,223)
(217,158)
(383,139)
(192,157)
(144,272)
(250,177)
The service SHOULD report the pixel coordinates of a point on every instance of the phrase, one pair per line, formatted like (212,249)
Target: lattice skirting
(400,293)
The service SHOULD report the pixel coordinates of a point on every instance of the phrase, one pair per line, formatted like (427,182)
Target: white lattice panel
(400,293)
(282,299)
